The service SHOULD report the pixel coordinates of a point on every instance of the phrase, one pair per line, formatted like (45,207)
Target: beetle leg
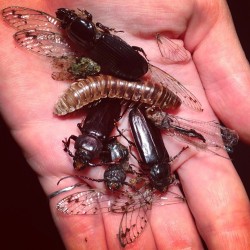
(107,29)
(130,151)
(88,15)
(80,125)
(136,48)
(173,158)
(121,134)
(85,14)
(67,143)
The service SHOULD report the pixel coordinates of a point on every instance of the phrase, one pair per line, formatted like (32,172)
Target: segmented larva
(93,88)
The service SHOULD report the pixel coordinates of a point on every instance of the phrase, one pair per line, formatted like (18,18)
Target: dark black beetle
(113,54)
(154,156)
(115,156)
(96,130)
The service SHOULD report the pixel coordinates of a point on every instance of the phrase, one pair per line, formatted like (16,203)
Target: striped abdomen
(93,88)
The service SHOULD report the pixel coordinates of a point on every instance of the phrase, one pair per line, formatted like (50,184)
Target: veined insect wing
(159,76)
(46,43)
(22,18)
(172,52)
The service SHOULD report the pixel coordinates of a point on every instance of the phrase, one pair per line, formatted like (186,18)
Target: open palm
(217,207)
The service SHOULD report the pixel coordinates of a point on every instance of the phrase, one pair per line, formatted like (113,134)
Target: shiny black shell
(148,139)
(113,54)
(100,119)
(152,151)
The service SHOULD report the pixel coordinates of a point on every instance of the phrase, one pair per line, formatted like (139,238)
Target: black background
(26,221)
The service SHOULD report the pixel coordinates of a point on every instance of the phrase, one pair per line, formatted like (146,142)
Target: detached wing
(171,51)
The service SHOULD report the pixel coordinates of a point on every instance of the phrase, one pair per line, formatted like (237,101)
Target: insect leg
(136,48)
(107,29)
(176,156)
(67,143)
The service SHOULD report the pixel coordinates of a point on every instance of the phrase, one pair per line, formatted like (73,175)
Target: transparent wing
(25,18)
(161,77)
(132,205)
(172,52)
(203,135)
(84,202)
(134,219)
(43,42)
(128,201)
(87,201)
(132,225)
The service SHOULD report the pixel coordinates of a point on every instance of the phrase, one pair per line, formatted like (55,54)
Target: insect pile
(110,77)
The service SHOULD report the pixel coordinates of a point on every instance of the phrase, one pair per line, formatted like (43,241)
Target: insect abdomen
(93,88)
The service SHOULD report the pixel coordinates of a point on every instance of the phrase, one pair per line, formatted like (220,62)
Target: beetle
(95,129)
(115,56)
(155,159)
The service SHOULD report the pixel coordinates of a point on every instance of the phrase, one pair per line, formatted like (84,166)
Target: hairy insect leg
(80,125)
(129,142)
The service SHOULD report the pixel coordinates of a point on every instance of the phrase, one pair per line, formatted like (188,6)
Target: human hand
(31,94)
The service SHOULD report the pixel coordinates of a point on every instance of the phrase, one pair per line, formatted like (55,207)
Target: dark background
(26,221)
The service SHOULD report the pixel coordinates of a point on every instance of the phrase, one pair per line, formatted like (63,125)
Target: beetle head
(160,176)
(87,147)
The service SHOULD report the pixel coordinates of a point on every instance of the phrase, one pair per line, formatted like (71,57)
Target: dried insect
(95,129)
(115,175)
(72,68)
(94,88)
(155,159)
(115,156)
(202,135)
(132,205)
(115,56)
(39,32)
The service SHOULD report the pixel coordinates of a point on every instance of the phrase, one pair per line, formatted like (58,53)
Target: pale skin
(217,208)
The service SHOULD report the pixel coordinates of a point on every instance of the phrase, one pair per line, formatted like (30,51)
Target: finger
(112,223)
(221,63)
(173,226)
(77,231)
(217,200)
